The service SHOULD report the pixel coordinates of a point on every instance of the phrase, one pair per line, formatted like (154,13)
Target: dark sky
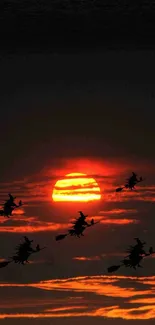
(101,100)
(77,94)
(47,25)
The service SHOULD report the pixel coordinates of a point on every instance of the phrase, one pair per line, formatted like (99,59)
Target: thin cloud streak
(84,258)
(33,228)
(118,211)
(65,308)
(119,221)
(97,257)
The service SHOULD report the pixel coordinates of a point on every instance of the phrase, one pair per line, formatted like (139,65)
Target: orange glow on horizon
(76,187)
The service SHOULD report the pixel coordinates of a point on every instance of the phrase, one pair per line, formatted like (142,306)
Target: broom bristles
(60,237)
(113,268)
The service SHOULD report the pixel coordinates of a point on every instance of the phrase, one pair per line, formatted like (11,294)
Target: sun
(76,187)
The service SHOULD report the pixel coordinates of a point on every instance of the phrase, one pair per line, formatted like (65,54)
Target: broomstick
(113,268)
(60,237)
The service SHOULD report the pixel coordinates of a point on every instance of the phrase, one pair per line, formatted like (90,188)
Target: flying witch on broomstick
(135,257)
(9,206)
(131,182)
(78,228)
(23,252)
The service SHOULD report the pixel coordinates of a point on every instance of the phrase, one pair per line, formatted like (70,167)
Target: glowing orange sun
(76,187)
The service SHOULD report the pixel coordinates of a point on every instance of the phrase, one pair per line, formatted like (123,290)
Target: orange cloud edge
(109,286)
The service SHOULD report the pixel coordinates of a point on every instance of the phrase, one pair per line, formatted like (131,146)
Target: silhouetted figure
(80,225)
(24,250)
(139,243)
(133,261)
(7,212)
(77,231)
(9,206)
(28,241)
(137,249)
(11,200)
(78,228)
(136,255)
(131,182)
(81,220)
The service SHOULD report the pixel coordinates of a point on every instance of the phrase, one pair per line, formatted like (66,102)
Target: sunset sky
(76,108)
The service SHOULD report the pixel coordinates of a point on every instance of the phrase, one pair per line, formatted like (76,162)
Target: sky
(77,99)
